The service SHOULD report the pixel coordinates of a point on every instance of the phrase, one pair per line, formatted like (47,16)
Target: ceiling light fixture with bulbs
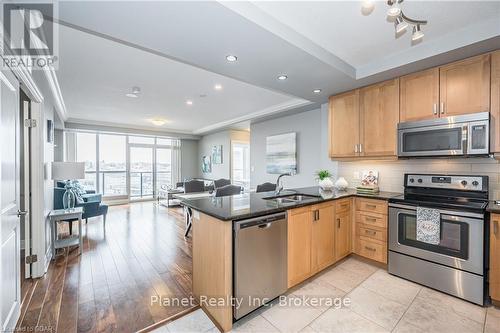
(402,22)
(158,121)
(136,91)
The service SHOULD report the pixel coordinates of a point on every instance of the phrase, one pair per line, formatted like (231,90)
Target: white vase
(326,184)
(341,184)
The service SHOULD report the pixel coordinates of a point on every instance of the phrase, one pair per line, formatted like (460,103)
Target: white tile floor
(379,303)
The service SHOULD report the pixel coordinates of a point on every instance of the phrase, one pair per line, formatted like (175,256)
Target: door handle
(370,248)
(495,227)
(442,107)
(370,232)
(338,223)
(355,148)
(360,147)
(435,108)
(21,213)
(264,226)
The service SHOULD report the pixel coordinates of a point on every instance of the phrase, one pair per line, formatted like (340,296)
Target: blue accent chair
(92,206)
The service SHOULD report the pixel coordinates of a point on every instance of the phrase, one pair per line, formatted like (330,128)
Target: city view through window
(151,163)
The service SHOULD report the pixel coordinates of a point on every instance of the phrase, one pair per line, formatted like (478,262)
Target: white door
(10,252)
(25,189)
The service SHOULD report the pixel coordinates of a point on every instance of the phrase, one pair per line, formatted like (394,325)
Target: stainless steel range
(456,265)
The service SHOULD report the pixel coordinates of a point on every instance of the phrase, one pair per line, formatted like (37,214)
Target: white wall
(190,164)
(220,138)
(307,125)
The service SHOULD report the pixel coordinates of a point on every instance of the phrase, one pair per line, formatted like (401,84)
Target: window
(240,163)
(137,169)
(142,139)
(86,152)
(112,164)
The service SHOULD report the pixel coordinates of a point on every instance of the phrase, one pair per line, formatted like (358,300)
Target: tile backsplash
(391,173)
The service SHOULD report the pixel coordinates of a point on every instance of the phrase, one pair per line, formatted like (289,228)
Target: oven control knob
(463,182)
(412,180)
(475,183)
(419,180)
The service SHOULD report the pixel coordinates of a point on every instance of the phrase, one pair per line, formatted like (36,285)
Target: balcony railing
(114,183)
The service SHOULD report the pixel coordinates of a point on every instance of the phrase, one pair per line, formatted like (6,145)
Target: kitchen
(443,154)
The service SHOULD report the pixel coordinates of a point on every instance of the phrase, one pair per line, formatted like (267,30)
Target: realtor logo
(29,35)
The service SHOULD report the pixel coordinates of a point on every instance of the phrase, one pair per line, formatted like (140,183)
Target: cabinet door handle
(442,107)
(371,206)
(370,248)
(338,223)
(355,148)
(371,219)
(360,147)
(435,108)
(495,227)
(317,215)
(370,232)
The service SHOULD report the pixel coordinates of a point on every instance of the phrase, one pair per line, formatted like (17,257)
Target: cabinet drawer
(342,206)
(371,205)
(372,232)
(371,219)
(372,250)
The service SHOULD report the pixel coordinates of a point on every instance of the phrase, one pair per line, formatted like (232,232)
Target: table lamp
(68,171)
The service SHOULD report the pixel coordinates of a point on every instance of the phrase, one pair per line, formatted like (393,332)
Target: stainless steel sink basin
(292,198)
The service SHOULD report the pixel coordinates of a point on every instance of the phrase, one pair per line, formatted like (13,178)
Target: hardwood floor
(109,288)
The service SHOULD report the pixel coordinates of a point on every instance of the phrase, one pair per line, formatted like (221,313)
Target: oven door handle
(454,215)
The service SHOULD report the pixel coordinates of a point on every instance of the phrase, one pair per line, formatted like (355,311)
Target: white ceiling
(96,73)
(175,50)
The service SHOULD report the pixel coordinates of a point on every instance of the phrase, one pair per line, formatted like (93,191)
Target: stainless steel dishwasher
(260,261)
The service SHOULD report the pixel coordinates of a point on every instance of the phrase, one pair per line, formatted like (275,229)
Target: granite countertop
(250,205)
(494,207)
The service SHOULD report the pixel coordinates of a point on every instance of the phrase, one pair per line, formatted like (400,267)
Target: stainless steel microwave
(465,135)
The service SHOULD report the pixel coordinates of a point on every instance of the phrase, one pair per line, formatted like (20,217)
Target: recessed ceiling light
(135,92)
(158,122)
(317,91)
(218,87)
(282,77)
(189,102)
(231,58)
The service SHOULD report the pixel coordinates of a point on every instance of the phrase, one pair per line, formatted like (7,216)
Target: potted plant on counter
(325,181)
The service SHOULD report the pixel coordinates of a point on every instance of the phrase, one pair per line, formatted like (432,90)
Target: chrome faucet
(279,187)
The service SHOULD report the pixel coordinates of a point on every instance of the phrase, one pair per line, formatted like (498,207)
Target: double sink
(292,198)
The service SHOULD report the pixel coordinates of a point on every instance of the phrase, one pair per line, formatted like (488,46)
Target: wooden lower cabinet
(494,277)
(370,238)
(299,245)
(342,234)
(323,242)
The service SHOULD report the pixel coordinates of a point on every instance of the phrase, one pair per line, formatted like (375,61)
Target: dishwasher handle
(263,222)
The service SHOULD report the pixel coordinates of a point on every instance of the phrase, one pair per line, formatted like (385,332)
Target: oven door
(461,244)
(442,140)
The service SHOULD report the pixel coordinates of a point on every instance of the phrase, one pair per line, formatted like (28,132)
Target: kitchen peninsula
(320,231)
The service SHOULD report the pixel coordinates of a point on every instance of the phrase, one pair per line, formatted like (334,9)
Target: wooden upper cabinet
(495,257)
(323,247)
(379,117)
(465,86)
(344,124)
(495,102)
(419,95)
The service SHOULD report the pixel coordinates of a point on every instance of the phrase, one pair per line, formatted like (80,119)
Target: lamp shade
(68,170)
